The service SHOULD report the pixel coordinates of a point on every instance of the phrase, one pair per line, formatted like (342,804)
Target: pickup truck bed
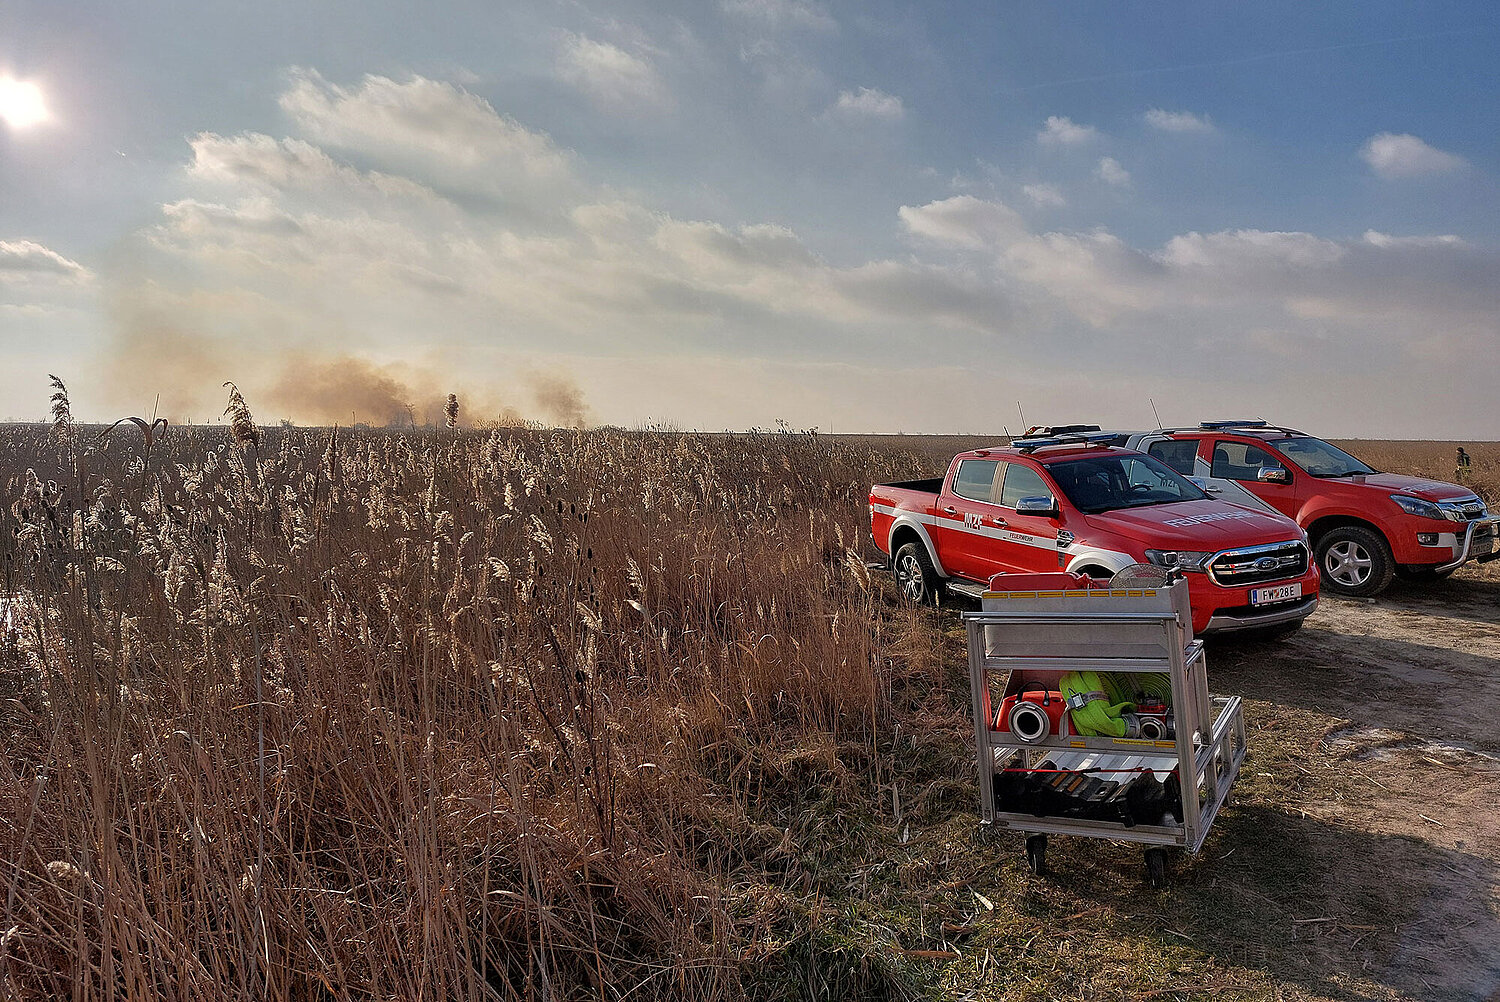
(933,486)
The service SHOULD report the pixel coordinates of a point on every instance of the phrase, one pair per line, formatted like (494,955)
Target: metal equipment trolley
(1040,776)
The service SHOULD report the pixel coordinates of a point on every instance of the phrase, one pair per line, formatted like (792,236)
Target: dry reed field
(311,714)
(455,715)
(1435,460)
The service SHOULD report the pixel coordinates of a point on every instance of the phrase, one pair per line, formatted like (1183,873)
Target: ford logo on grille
(1267,564)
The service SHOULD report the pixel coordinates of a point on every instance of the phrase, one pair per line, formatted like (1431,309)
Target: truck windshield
(1104,483)
(1319,458)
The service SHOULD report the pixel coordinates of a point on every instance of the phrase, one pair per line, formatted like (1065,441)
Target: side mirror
(1038,506)
(1274,475)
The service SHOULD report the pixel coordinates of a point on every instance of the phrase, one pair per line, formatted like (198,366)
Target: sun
(21,103)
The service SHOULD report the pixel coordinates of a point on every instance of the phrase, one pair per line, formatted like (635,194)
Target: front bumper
(1217,609)
(1230,620)
(1465,549)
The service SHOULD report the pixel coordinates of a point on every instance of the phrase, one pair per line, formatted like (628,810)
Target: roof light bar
(1220,425)
(1071,438)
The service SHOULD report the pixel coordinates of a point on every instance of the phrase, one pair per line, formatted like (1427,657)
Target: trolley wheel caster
(1036,854)
(1156,866)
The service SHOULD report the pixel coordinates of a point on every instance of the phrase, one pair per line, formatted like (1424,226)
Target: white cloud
(24,259)
(1377,239)
(868,102)
(1046,196)
(1061,131)
(963,221)
(1437,293)
(259,162)
(1178,121)
(612,77)
(1394,157)
(1240,250)
(782,13)
(431,131)
(1111,173)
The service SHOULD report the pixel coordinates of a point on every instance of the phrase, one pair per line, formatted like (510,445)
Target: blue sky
(862,216)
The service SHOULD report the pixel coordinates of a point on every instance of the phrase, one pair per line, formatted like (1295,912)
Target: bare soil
(1359,859)
(1412,679)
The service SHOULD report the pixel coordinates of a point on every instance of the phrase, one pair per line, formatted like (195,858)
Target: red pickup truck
(1365,526)
(1073,504)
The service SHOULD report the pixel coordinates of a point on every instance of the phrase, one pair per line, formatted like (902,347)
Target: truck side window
(975,479)
(1242,461)
(1178,455)
(1022,482)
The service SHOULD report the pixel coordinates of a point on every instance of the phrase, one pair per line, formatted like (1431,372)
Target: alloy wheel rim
(1348,563)
(909,572)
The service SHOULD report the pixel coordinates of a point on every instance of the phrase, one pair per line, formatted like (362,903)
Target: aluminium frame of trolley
(1025,640)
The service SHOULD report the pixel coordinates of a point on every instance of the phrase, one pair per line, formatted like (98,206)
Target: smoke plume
(558,399)
(185,344)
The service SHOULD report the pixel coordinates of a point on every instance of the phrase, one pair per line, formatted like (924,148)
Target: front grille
(1463,509)
(1256,564)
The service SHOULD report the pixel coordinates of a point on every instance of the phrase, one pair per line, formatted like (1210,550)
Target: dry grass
(529,714)
(517,715)
(1435,460)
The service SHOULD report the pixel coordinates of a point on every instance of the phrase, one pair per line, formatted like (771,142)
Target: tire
(1421,574)
(1036,854)
(1354,561)
(1156,867)
(915,576)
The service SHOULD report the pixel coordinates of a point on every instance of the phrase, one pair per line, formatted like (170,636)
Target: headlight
(1418,507)
(1188,560)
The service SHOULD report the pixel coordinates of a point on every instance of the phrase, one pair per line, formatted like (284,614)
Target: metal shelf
(1025,640)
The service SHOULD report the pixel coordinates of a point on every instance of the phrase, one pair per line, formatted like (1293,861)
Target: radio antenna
(1153,412)
(1023,414)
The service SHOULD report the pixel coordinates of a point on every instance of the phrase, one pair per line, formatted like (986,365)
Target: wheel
(1036,854)
(1156,866)
(1355,561)
(1421,573)
(915,575)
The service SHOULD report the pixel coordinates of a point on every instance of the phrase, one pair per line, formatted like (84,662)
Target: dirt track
(1412,680)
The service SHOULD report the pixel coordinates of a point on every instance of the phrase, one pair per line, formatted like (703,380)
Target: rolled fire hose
(1089,707)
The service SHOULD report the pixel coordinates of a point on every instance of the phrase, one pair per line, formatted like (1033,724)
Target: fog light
(1427,538)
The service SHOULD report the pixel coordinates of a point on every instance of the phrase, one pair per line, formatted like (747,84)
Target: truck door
(967,517)
(1243,464)
(1181,454)
(1026,542)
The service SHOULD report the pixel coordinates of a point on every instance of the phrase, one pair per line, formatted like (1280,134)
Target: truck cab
(1365,526)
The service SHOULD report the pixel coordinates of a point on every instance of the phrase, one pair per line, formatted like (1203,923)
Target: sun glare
(21,103)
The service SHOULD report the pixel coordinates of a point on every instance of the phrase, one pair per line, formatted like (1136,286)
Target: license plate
(1482,545)
(1281,593)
